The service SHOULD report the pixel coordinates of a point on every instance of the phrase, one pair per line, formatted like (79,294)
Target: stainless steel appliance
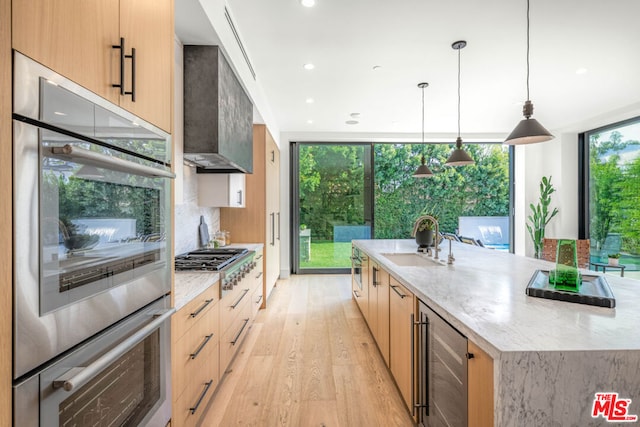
(359,264)
(233,264)
(121,378)
(442,372)
(92,215)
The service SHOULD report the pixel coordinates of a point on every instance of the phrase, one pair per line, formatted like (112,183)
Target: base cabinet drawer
(232,305)
(256,302)
(202,381)
(195,310)
(232,338)
(195,345)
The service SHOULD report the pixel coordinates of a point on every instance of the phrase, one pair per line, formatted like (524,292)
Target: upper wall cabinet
(222,190)
(81,39)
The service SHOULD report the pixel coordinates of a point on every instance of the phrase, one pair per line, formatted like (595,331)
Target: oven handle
(79,376)
(91,158)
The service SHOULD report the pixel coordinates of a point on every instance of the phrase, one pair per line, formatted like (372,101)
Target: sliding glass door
(332,204)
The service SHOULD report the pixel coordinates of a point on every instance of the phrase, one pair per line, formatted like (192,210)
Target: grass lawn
(328,255)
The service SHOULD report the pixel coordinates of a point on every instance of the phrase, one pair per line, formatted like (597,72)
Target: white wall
(558,158)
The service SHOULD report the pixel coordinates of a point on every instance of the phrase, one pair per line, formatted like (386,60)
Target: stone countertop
(189,285)
(483,295)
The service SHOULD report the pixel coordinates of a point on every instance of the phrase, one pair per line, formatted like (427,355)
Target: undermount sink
(412,260)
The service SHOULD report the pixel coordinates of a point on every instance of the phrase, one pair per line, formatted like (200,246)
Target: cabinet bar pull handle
(470,355)
(244,292)
(259,299)
(199,349)
(413,365)
(121,48)
(204,393)
(356,294)
(278,224)
(202,307)
(246,321)
(239,197)
(374,281)
(273,231)
(259,275)
(259,257)
(133,74)
(398,292)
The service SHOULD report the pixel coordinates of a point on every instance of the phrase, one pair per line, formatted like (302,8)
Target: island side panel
(558,388)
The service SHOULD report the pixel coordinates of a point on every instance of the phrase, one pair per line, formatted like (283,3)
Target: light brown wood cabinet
(360,282)
(195,334)
(259,221)
(76,37)
(379,307)
(402,306)
(480,387)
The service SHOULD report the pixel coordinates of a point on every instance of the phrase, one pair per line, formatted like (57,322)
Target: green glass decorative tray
(594,290)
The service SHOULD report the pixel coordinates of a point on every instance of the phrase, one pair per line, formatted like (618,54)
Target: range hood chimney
(218,114)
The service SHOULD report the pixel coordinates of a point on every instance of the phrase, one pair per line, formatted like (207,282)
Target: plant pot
(614,261)
(424,238)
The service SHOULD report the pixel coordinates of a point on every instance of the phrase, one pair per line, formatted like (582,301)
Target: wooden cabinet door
(73,38)
(480,387)
(147,26)
(382,307)
(401,307)
(272,181)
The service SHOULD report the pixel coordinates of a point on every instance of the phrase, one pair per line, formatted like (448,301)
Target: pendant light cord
(528,98)
(459,93)
(423,118)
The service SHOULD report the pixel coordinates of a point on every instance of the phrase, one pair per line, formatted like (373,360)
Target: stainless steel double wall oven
(92,251)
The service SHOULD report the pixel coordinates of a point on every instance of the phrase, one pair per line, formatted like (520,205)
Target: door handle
(79,376)
(133,74)
(120,47)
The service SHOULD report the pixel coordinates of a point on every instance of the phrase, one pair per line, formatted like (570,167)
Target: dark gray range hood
(218,114)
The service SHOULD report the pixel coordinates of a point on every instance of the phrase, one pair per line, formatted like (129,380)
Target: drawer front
(203,380)
(196,344)
(256,301)
(232,338)
(197,308)
(231,306)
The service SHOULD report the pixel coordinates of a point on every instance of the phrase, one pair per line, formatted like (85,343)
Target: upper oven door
(92,215)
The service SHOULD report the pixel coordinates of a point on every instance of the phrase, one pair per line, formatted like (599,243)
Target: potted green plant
(614,259)
(540,215)
(424,226)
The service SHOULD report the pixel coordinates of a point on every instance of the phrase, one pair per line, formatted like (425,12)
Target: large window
(472,201)
(610,179)
(362,190)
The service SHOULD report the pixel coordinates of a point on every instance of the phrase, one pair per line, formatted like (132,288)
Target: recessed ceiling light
(308,66)
(352,122)
(310,101)
(308,3)
(310,122)
(355,115)
(59,113)
(376,67)
(581,71)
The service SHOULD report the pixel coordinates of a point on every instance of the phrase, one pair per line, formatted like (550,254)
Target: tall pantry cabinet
(259,221)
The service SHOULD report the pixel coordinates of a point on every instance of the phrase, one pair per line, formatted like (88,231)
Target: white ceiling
(411,42)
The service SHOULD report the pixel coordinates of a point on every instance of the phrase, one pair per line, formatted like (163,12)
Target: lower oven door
(120,378)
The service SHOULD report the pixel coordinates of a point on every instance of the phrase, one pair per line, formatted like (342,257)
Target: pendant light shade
(528,131)
(423,170)
(458,156)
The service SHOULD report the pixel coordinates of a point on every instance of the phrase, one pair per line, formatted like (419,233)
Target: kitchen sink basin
(412,260)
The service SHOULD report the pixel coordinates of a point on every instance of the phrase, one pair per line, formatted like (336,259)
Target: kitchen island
(550,358)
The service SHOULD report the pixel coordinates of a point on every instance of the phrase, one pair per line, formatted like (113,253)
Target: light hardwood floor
(308,360)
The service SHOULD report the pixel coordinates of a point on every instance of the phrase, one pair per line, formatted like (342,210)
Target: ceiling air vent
(240,44)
